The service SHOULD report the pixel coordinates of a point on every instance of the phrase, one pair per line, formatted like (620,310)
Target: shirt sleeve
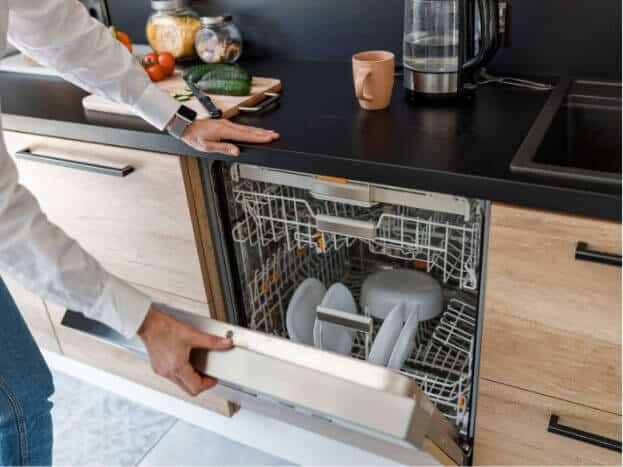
(60,34)
(48,262)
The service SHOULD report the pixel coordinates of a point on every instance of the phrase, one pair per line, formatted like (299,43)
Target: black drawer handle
(102,169)
(584,436)
(582,253)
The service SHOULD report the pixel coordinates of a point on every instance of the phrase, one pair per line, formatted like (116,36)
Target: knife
(205,100)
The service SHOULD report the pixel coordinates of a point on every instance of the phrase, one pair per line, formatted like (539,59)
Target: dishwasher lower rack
(441,362)
(443,239)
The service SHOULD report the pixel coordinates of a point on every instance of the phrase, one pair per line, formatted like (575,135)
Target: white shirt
(61,35)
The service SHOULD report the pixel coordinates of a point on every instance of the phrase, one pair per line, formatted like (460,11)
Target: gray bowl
(384,290)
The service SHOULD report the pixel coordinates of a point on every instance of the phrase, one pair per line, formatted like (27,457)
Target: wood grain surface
(229,105)
(511,429)
(552,324)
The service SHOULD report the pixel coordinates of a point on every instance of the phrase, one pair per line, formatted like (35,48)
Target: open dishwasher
(273,229)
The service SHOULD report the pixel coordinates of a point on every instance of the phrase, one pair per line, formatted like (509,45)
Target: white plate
(332,337)
(406,341)
(301,314)
(388,334)
(382,291)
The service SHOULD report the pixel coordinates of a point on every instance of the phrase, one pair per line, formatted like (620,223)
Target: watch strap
(182,119)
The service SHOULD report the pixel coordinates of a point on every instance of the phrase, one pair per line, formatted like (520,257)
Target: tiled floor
(94,427)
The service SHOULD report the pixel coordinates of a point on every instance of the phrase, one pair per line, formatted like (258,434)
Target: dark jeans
(25,387)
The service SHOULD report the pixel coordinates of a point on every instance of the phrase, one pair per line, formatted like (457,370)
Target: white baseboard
(249,428)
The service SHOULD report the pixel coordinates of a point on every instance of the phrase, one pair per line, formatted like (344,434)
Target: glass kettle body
(445,41)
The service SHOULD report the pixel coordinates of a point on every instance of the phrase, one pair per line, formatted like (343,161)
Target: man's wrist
(183,118)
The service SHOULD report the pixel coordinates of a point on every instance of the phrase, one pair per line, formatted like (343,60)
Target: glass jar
(172,28)
(219,40)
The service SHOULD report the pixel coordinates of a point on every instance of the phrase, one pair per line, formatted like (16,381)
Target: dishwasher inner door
(369,407)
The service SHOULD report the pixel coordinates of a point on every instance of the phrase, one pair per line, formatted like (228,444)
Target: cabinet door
(552,321)
(128,208)
(512,428)
(370,407)
(35,314)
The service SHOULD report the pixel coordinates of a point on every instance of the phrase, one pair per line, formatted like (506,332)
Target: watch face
(187,112)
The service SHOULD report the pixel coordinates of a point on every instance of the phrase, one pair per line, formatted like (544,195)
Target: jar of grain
(172,27)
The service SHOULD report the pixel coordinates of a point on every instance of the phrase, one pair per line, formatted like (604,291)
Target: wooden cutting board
(229,105)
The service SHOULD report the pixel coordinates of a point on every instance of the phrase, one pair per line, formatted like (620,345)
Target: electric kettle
(446,42)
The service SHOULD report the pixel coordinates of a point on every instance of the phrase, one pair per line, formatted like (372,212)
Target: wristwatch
(182,119)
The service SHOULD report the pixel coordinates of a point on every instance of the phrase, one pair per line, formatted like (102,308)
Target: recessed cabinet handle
(97,168)
(582,253)
(584,436)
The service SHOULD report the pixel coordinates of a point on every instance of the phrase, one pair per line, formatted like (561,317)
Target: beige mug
(373,74)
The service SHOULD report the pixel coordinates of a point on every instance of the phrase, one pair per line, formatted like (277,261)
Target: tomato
(150,59)
(167,61)
(164,60)
(156,72)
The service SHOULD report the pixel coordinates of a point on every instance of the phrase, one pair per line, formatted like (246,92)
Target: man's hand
(206,135)
(169,342)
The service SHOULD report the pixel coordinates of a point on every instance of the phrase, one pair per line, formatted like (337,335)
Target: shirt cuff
(156,106)
(122,307)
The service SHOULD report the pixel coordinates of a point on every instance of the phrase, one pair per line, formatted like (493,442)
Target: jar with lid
(219,40)
(172,27)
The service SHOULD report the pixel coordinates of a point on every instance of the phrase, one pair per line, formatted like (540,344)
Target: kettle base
(436,86)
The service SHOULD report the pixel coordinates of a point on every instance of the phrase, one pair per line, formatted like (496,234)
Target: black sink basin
(577,138)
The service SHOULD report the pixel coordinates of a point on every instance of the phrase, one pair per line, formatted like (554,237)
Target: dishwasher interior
(287,227)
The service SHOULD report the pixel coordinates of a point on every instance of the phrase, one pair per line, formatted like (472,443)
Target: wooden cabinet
(512,429)
(148,227)
(35,314)
(552,333)
(139,226)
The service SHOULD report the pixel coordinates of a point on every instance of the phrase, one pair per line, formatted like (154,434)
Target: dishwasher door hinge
(466,445)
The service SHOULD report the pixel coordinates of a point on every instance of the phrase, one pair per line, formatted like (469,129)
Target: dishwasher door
(370,407)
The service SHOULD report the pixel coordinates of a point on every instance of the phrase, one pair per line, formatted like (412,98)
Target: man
(61,35)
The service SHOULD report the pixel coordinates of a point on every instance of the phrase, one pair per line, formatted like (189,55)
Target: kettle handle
(488,31)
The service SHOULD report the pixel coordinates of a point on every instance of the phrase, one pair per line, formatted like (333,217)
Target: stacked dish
(401,298)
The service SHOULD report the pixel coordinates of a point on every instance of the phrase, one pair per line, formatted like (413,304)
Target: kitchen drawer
(512,428)
(552,323)
(131,366)
(35,314)
(139,226)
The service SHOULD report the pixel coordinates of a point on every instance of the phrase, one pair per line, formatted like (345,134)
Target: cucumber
(226,74)
(218,70)
(228,87)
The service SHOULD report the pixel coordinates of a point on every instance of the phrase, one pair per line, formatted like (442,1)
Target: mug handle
(360,80)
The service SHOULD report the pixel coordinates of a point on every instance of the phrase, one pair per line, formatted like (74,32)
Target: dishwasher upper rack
(437,242)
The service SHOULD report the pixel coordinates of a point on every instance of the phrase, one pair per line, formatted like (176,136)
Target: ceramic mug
(373,74)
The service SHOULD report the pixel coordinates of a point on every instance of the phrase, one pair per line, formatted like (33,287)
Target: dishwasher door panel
(370,407)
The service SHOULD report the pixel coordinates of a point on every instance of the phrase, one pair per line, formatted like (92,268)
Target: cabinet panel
(511,429)
(553,323)
(35,314)
(139,225)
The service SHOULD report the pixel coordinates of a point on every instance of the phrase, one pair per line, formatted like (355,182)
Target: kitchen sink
(576,140)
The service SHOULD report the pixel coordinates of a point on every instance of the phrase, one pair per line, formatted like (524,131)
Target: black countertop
(464,148)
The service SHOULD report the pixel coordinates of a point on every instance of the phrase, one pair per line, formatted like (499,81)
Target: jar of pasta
(172,27)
